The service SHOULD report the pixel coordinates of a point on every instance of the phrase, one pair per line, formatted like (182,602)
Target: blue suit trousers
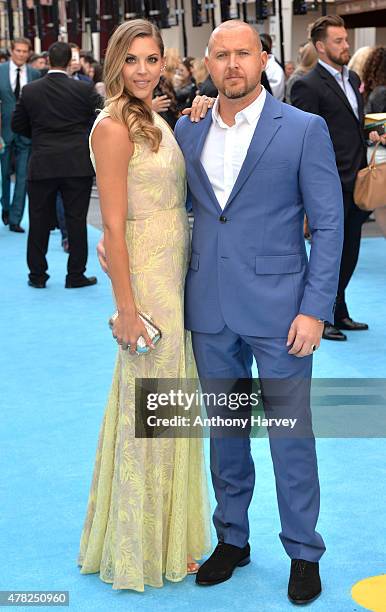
(228,355)
(21,153)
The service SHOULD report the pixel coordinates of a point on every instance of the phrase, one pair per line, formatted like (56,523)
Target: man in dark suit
(56,112)
(332,91)
(14,75)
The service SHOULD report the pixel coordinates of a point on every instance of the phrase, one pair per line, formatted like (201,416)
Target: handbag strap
(372,159)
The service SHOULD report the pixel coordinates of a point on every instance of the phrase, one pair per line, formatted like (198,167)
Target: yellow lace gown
(148,506)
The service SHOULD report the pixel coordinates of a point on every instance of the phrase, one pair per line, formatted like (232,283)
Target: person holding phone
(76,68)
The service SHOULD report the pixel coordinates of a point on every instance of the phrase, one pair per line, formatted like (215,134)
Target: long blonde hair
(121,104)
(307,58)
(358,60)
(200,71)
(172,61)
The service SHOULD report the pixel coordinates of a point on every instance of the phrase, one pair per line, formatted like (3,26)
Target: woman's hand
(375,137)
(127,328)
(306,229)
(160,104)
(199,108)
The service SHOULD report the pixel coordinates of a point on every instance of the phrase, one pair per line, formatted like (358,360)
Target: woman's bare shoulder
(110,128)
(111,137)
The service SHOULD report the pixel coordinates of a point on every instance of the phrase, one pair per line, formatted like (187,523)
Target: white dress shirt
(342,78)
(13,74)
(276,77)
(226,147)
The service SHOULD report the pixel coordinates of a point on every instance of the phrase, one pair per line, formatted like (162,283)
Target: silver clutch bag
(154,332)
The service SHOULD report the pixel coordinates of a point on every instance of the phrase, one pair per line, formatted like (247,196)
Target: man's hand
(160,104)
(305,335)
(102,254)
(199,108)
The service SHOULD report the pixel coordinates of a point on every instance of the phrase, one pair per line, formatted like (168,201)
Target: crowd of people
(320,62)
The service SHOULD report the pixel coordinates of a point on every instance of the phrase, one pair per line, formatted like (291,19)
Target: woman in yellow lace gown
(147,514)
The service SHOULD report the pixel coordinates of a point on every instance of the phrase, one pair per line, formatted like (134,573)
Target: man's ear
(264,59)
(320,46)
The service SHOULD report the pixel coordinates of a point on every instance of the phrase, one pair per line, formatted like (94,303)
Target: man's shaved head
(233,24)
(235,60)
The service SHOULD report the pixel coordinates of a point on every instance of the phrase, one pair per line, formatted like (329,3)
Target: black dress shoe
(304,583)
(82,282)
(220,565)
(332,333)
(5,217)
(349,325)
(16,228)
(37,284)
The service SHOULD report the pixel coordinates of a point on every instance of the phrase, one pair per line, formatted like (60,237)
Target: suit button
(223,219)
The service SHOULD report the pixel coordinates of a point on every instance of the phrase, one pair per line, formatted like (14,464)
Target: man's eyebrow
(230,50)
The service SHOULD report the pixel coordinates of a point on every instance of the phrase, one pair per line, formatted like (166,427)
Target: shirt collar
(15,67)
(250,113)
(335,73)
(57,72)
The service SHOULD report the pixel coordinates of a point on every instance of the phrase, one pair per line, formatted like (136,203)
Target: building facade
(89,23)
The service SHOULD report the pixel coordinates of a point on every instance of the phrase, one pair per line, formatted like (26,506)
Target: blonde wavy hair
(121,104)
(307,58)
(359,59)
(172,61)
(200,71)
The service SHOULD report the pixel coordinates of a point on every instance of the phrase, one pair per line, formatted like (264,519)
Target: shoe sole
(335,339)
(241,563)
(304,602)
(354,329)
(79,286)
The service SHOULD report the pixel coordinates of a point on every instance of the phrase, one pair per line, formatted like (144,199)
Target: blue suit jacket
(8,101)
(251,272)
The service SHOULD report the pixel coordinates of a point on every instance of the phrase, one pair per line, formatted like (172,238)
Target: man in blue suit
(13,76)
(254,167)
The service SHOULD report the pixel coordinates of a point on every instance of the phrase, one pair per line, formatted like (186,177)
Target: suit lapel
(5,72)
(332,83)
(203,126)
(266,129)
(358,95)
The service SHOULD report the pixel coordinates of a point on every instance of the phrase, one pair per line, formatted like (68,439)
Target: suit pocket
(194,261)
(267,167)
(278,264)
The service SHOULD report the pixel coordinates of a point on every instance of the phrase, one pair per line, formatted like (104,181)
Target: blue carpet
(56,363)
